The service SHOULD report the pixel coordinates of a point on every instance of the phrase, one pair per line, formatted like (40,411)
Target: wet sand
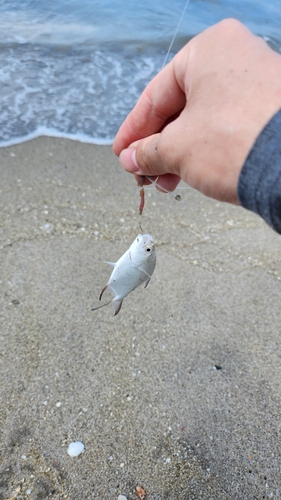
(179,393)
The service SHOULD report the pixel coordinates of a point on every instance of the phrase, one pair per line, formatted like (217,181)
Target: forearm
(259,186)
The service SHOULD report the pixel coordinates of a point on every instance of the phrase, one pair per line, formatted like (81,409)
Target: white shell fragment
(75,449)
(122,497)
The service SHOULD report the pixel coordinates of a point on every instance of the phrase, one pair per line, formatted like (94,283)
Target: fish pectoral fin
(113,264)
(117,306)
(99,307)
(103,290)
(146,283)
(144,271)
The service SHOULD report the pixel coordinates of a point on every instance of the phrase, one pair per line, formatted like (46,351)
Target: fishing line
(176,196)
(155,182)
(175,34)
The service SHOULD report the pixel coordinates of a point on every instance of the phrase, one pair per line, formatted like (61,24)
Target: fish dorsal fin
(113,264)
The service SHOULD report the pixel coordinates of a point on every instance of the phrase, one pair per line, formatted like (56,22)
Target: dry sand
(180,393)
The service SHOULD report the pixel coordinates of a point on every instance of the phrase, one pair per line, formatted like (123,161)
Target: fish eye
(148,249)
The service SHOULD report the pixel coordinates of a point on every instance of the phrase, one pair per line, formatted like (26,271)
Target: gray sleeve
(259,186)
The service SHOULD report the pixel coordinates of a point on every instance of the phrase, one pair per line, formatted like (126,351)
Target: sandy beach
(181,392)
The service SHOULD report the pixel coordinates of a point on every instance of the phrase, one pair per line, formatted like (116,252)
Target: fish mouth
(146,240)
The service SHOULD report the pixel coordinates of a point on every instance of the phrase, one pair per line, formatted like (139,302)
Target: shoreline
(43,132)
(169,395)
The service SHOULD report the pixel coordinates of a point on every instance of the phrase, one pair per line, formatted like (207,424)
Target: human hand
(199,117)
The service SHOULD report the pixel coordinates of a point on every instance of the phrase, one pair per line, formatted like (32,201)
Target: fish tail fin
(117,306)
(99,307)
(103,290)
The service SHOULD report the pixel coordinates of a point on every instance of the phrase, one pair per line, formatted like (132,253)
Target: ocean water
(75,68)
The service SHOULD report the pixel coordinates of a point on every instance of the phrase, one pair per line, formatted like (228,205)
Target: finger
(167,182)
(157,154)
(162,99)
(143,180)
(164,183)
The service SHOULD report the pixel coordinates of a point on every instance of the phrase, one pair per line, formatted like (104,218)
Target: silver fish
(132,269)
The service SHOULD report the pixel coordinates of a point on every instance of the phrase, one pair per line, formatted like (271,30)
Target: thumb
(146,158)
(142,157)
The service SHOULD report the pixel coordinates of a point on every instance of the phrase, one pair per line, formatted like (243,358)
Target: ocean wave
(78,93)
(71,22)
(75,68)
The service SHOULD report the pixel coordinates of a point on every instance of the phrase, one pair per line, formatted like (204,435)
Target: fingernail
(128,160)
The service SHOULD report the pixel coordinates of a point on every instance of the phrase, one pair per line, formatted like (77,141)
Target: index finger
(161,100)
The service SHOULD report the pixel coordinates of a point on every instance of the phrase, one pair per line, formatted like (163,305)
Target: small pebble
(140,492)
(75,449)
(58,404)
(122,497)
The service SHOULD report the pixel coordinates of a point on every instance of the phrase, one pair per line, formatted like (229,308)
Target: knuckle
(145,158)
(230,26)
(150,155)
